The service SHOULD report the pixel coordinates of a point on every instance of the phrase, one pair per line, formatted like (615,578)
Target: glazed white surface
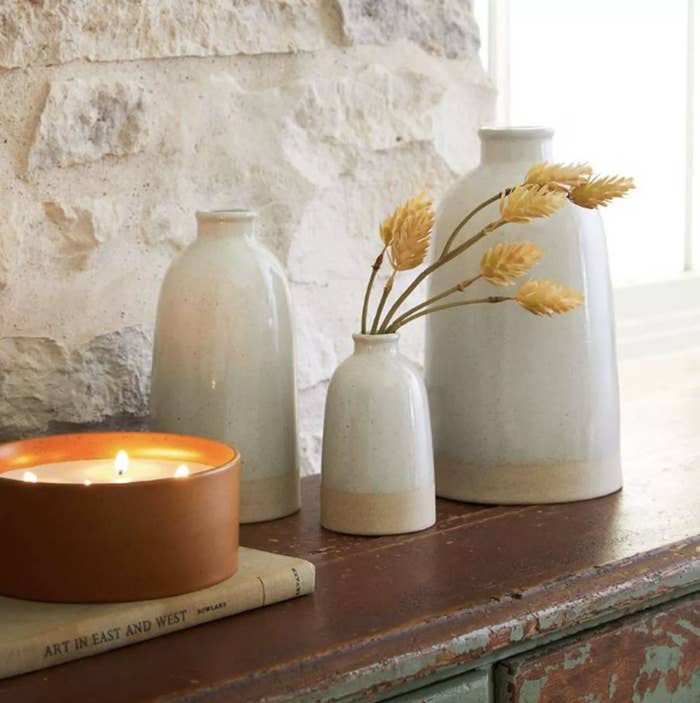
(223,364)
(510,389)
(377,438)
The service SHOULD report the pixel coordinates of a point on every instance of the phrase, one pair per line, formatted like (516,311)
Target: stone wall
(119,119)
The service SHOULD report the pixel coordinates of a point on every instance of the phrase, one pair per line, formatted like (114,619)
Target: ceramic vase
(524,408)
(223,362)
(377,476)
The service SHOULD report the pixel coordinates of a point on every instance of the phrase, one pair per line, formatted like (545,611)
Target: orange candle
(117,516)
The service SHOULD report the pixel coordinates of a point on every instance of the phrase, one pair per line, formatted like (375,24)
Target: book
(36,635)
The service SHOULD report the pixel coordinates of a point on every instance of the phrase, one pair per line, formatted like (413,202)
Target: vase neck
(225,223)
(376,343)
(532,144)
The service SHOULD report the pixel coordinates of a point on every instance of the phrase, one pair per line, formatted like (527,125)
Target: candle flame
(121,463)
(182,471)
(30,477)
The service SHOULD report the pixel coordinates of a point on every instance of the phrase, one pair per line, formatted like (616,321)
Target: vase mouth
(387,338)
(227,215)
(515,132)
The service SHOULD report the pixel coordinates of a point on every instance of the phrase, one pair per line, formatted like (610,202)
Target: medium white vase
(223,362)
(524,409)
(377,476)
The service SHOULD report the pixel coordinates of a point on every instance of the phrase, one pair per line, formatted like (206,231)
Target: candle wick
(121,463)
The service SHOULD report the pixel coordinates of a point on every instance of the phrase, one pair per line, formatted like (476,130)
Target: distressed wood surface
(653,657)
(394,613)
(473,687)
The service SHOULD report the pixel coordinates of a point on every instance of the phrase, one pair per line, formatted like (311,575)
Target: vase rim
(515,132)
(226,215)
(376,338)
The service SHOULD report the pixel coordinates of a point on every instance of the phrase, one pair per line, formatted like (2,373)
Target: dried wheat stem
(385,294)
(436,265)
(365,304)
(446,306)
(405,234)
(455,289)
(478,208)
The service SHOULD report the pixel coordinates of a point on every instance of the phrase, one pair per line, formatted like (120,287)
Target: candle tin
(111,542)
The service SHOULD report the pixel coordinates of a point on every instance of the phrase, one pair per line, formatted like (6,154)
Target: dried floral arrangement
(405,236)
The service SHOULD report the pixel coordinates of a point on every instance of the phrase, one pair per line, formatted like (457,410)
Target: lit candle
(87,517)
(121,469)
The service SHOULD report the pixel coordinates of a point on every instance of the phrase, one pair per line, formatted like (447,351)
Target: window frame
(653,316)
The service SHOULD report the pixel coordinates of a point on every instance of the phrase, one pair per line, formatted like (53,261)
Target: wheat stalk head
(394,222)
(410,242)
(599,191)
(505,262)
(558,176)
(547,297)
(525,202)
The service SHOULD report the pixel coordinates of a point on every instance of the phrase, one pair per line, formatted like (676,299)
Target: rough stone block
(82,228)
(51,32)
(85,120)
(445,27)
(44,382)
(12,235)
(336,122)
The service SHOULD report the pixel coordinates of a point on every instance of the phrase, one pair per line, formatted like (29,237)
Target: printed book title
(142,629)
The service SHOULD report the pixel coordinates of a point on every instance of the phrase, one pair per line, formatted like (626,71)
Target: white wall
(119,119)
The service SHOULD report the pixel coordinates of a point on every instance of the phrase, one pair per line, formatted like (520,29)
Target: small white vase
(223,361)
(524,409)
(377,476)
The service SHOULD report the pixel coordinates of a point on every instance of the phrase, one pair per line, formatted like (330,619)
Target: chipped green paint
(532,690)
(474,687)
(517,633)
(648,657)
(643,627)
(578,657)
(661,658)
(660,662)
(662,694)
(686,625)
(390,674)
(550,620)
(676,638)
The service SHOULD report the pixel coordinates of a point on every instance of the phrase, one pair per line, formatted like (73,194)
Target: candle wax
(103,471)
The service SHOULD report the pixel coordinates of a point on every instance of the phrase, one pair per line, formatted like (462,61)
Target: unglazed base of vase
(522,484)
(378,513)
(269,498)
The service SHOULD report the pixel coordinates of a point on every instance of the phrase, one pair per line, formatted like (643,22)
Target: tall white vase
(377,476)
(524,409)
(223,363)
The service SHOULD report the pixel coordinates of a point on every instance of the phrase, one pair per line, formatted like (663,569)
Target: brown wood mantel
(484,585)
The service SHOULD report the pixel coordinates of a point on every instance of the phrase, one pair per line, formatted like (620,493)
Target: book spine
(135,622)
